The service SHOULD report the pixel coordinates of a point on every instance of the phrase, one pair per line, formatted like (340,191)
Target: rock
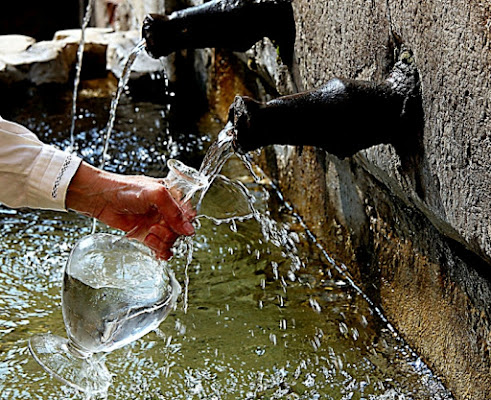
(92,35)
(15,43)
(40,62)
(24,60)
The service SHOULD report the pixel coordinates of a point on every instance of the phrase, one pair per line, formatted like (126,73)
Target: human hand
(138,205)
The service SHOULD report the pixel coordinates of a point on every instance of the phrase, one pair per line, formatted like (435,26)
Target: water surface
(255,327)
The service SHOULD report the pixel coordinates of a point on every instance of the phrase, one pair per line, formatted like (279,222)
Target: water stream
(78,70)
(122,82)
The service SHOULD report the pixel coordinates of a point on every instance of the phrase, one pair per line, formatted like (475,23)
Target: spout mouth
(229,24)
(240,119)
(155,32)
(146,34)
(367,113)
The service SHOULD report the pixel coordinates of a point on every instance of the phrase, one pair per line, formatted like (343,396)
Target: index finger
(175,217)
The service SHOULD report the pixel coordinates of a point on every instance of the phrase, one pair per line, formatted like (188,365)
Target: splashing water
(214,160)
(216,156)
(218,153)
(80,53)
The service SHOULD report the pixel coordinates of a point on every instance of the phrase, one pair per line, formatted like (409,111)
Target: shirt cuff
(50,178)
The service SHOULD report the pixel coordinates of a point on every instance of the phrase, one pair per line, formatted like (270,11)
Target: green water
(255,328)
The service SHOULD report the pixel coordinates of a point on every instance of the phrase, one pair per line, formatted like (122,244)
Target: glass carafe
(114,292)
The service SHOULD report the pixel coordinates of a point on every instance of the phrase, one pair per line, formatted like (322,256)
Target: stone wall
(414,228)
(451,45)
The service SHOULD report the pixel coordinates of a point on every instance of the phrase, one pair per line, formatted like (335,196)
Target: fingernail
(152,241)
(164,255)
(188,228)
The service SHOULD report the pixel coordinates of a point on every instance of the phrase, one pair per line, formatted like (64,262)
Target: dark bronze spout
(228,24)
(341,117)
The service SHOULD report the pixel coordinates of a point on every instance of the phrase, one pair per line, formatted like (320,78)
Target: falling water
(215,158)
(341,269)
(218,153)
(123,81)
(80,53)
(186,248)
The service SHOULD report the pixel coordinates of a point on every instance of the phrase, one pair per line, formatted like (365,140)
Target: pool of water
(256,325)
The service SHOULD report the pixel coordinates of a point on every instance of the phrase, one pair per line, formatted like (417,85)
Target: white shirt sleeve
(33,174)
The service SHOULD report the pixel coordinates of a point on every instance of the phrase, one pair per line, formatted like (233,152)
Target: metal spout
(341,117)
(228,24)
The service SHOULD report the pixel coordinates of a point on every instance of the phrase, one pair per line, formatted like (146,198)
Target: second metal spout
(342,117)
(228,24)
